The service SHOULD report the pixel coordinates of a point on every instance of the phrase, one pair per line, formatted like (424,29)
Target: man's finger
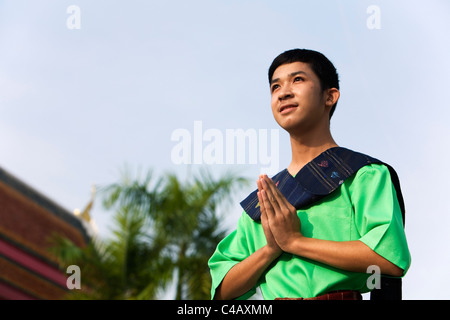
(268,207)
(261,206)
(271,193)
(260,198)
(279,198)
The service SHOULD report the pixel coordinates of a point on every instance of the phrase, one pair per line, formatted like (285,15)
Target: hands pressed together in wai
(278,217)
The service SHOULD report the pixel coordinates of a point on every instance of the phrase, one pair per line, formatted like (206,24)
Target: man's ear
(332,97)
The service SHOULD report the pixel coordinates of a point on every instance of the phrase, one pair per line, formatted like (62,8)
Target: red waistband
(333,295)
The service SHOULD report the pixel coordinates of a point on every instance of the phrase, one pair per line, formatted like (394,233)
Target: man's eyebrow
(293,74)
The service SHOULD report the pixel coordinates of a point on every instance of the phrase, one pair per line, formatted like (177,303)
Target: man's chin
(289,125)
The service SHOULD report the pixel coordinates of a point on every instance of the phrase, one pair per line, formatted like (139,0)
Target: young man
(316,227)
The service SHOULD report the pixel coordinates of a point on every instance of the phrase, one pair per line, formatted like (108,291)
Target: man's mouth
(287,108)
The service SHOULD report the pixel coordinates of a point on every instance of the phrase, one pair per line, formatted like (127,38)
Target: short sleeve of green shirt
(232,250)
(378,216)
(364,207)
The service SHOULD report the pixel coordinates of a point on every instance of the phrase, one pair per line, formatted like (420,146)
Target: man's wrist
(271,253)
(295,245)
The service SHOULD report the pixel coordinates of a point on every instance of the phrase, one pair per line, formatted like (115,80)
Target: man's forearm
(347,255)
(284,224)
(244,275)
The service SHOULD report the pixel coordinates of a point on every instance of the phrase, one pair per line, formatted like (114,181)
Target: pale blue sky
(76,105)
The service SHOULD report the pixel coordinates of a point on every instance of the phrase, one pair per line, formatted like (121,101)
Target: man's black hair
(322,67)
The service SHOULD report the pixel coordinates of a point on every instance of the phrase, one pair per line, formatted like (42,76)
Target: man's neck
(304,149)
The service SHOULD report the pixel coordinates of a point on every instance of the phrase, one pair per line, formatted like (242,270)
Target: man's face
(298,102)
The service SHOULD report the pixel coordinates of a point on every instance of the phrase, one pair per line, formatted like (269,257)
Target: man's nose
(286,93)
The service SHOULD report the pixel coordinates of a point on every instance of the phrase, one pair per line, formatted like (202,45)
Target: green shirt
(364,207)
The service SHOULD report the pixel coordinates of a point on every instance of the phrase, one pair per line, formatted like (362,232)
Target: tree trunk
(180,264)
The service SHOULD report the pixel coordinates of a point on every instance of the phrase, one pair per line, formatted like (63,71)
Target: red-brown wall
(27,220)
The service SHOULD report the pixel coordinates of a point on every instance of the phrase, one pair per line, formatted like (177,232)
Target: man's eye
(298,79)
(274,87)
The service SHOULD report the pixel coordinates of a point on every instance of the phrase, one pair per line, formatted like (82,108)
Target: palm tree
(185,220)
(127,266)
(187,217)
(165,230)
